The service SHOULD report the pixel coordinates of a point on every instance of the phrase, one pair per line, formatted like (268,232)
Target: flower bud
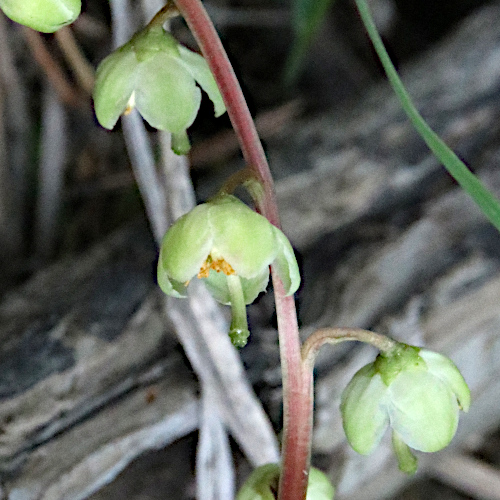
(416,392)
(42,15)
(263,483)
(158,76)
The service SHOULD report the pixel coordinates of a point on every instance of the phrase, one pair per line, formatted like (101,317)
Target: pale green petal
(168,285)
(217,285)
(285,263)
(115,81)
(443,368)
(242,237)
(319,486)
(252,287)
(364,415)
(186,245)
(46,16)
(423,410)
(166,94)
(200,71)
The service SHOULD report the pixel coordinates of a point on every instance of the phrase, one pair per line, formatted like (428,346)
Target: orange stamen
(217,265)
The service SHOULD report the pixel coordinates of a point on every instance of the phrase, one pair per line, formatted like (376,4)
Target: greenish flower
(158,76)
(230,247)
(42,15)
(416,392)
(263,483)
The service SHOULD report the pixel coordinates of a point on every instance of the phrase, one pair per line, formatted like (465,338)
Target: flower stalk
(297,402)
(167,12)
(337,335)
(297,382)
(209,42)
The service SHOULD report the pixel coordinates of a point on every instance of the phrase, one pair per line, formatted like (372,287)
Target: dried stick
(54,74)
(83,70)
(50,173)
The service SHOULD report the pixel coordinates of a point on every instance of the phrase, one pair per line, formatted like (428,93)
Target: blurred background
(90,366)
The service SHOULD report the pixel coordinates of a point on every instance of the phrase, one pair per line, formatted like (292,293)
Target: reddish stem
(209,42)
(297,381)
(297,401)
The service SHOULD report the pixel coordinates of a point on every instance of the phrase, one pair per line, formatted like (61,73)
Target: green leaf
(486,200)
(306,20)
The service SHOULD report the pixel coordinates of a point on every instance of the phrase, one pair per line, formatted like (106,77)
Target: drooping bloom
(418,393)
(155,74)
(231,247)
(46,16)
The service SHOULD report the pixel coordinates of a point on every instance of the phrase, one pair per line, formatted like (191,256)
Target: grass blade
(486,201)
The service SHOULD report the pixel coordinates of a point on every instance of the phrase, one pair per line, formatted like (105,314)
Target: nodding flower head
(155,74)
(416,392)
(230,247)
(46,16)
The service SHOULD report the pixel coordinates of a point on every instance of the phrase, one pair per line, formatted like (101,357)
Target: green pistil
(407,461)
(238,331)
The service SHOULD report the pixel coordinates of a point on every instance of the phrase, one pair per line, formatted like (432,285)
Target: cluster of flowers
(416,392)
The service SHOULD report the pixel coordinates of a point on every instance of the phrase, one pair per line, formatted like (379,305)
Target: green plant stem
(486,201)
(297,383)
(336,335)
